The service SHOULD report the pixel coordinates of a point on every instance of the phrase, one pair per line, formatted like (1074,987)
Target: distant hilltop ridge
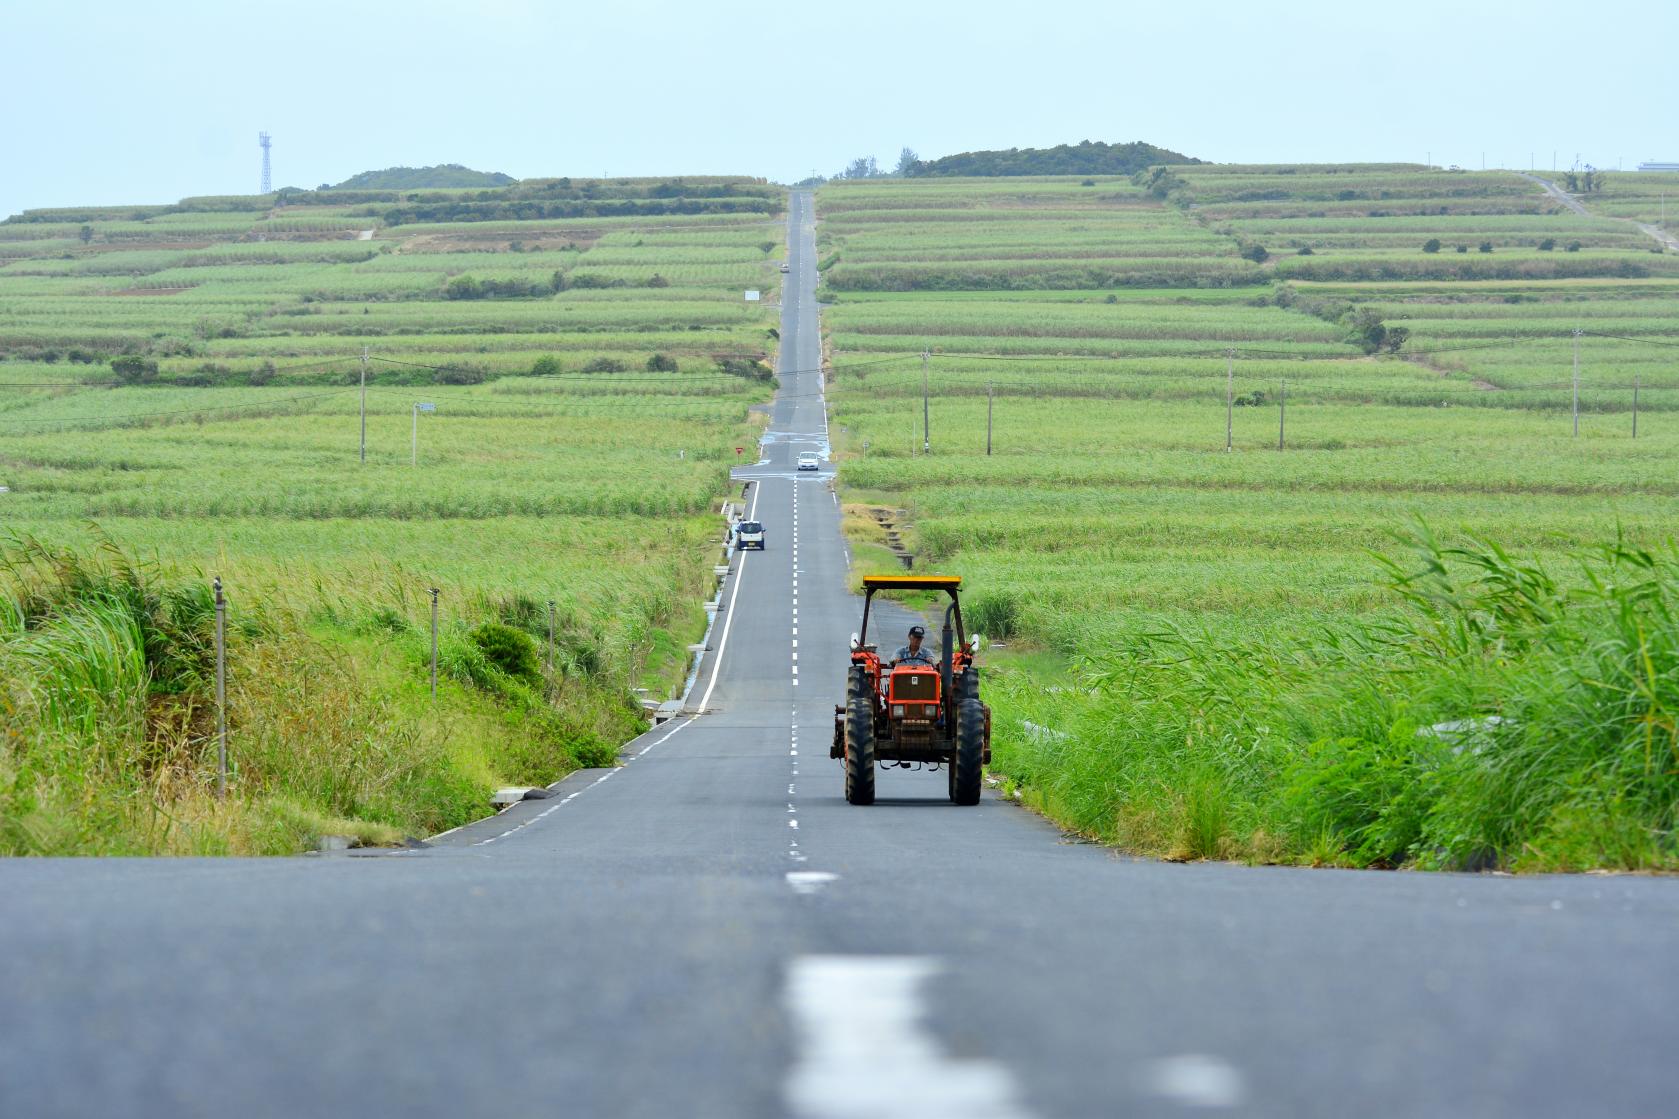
(420,178)
(1084,158)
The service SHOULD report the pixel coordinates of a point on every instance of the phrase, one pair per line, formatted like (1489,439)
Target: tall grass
(108,744)
(1504,716)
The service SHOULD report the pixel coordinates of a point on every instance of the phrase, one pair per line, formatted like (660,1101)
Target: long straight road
(709,930)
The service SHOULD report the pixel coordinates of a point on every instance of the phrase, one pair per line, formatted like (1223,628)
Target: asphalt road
(710,930)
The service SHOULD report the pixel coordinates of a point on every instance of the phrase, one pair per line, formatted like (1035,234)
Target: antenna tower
(267,179)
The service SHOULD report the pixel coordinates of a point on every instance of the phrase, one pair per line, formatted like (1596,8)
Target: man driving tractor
(913,653)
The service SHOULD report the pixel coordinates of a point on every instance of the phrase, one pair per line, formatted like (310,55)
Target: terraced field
(187,382)
(1078,472)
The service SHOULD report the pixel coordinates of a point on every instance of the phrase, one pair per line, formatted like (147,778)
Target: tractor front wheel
(967,767)
(859,743)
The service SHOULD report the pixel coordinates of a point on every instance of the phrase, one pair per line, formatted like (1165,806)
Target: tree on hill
(1084,158)
(443,175)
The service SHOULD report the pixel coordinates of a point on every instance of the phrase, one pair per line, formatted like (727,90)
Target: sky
(141,103)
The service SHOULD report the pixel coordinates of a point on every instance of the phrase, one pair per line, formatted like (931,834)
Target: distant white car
(784,268)
(809,460)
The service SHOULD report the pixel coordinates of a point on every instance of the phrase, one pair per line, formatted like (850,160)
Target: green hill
(420,178)
(1084,158)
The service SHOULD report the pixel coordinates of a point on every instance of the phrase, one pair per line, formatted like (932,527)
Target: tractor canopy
(949,584)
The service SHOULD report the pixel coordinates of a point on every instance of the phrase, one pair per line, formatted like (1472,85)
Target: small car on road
(809,460)
(785,268)
(749,534)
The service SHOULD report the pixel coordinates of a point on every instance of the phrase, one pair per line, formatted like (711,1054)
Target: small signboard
(426,407)
(752,295)
(738,450)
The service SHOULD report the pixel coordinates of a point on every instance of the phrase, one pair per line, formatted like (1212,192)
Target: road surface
(710,931)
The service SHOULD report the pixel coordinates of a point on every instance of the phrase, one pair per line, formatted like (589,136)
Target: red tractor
(914,713)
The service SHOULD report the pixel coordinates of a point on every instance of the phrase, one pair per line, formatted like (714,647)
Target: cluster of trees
(1583,182)
(1084,158)
(442,176)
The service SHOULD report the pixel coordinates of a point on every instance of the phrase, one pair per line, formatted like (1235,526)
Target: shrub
(1432,245)
(661,363)
(658,281)
(461,375)
(1255,253)
(1463,248)
(132,369)
(1548,244)
(545,366)
(1486,246)
(755,368)
(603,365)
(1574,246)
(509,650)
(1305,250)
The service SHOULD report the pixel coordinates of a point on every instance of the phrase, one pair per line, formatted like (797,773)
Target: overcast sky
(147,102)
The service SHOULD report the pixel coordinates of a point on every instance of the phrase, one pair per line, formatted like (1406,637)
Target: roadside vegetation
(1434,629)
(180,400)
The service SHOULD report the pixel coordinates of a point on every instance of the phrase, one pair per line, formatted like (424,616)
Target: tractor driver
(913,653)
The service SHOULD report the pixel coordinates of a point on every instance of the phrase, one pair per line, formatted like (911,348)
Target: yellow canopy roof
(912,582)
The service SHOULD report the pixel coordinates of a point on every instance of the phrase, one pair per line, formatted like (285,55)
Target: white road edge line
(734,593)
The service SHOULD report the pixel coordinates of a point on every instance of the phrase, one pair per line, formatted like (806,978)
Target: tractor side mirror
(855,642)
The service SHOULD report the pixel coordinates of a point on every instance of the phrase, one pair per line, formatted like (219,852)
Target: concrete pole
(364,403)
(1229,399)
(926,438)
(1282,415)
(221,691)
(434,643)
(1576,382)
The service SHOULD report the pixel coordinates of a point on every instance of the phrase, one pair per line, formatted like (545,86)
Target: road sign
(740,450)
(752,295)
(426,407)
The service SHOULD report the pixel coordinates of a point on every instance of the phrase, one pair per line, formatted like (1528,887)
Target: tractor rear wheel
(967,766)
(859,742)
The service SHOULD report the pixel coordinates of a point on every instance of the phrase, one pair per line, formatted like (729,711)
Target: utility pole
(1229,399)
(434,643)
(1282,414)
(221,691)
(926,440)
(1576,382)
(989,391)
(364,403)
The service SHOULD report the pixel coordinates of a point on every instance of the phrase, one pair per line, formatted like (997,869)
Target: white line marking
(1196,1080)
(863,1052)
(728,623)
(809,881)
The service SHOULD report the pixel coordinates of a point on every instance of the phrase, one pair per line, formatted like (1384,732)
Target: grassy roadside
(1504,716)
(107,687)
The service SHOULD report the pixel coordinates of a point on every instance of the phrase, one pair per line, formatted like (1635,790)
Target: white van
(749,534)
